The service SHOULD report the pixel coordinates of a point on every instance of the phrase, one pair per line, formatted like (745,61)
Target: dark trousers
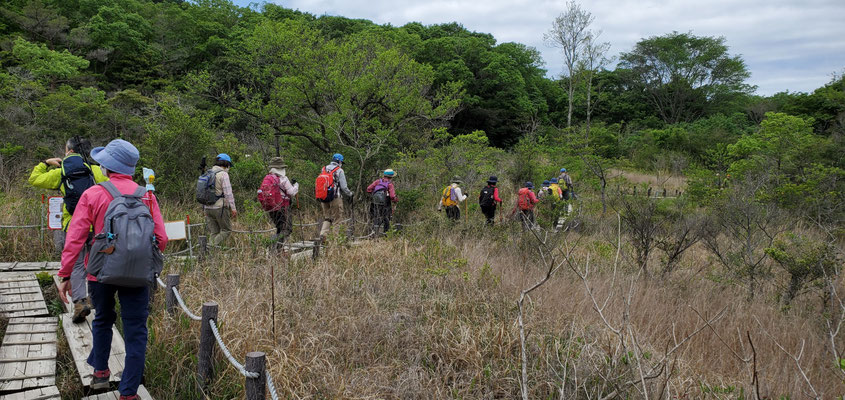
(489,212)
(380,214)
(282,220)
(453,212)
(133,311)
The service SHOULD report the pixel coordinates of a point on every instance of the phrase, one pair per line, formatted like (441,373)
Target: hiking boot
(132,397)
(100,379)
(81,309)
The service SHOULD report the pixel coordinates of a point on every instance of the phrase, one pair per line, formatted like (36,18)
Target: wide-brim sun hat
(546,183)
(389,173)
(457,180)
(493,179)
(277,162)
(118,156)
(529,185)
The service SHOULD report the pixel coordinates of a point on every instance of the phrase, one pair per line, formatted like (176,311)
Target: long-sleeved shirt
(339,178)
(288,189)
(460,197)
(91,210)
(45,178)
(223,188)
(565,178)
(496,198)
(391,191)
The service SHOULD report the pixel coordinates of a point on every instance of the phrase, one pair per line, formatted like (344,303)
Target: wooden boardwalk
(28,266)
(20,295)
(28,354)
(142,393)
(80,342)
(45,393)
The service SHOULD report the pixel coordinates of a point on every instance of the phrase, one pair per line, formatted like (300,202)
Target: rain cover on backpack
(125,252)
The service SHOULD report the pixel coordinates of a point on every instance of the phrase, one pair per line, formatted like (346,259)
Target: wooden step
(115,395)
(28,354)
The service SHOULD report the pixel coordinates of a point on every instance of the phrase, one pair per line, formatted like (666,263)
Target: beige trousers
(332,213)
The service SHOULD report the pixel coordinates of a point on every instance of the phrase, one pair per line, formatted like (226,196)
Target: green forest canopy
(209,76)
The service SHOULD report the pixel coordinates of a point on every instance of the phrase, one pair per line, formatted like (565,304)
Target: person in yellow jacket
(69,176)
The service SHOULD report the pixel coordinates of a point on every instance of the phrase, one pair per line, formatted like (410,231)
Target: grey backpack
(125,252)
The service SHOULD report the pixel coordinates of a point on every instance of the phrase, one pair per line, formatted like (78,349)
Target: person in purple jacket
(384,197)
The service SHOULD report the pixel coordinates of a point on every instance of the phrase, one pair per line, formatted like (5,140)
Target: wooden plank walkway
(20,295)
(115,395)
(45,393)
(80,342)
(28,266)
(28,354)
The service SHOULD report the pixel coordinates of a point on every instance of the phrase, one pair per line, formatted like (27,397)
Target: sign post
(54,212)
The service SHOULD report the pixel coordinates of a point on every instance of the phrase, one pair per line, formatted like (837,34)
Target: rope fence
(258,381)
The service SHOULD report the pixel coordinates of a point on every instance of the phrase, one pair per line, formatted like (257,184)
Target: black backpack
(485,199)
(77,177)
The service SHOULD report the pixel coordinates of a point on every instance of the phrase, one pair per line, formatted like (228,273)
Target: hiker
(544,190)
(132,231)
(329,186)
(451,198)
(274,195)
(556,194)
(488,199)
(214,192)
(566,185)
(525,202)
(71,176)
(384,197)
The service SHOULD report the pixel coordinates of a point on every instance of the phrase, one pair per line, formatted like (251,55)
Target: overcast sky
(792,45)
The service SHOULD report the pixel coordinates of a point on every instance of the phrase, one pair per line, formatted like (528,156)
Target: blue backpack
(125,252)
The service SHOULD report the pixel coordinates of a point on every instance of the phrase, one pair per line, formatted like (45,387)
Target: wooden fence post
(256,361)
(172,282)
(649,192)
(316,249)
(205,363)
(664,192)
(203,243)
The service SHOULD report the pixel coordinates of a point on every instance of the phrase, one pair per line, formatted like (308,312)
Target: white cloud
(787,44)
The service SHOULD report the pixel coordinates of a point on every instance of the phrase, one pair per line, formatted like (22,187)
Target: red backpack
(270,195)
(524,199)
(324,189)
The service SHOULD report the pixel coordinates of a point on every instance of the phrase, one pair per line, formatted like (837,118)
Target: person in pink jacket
(117,160)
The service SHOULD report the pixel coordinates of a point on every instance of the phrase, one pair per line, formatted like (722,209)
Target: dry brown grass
(670,183)
(433,316)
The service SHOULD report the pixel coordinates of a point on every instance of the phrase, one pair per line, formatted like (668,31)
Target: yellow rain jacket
(44,177)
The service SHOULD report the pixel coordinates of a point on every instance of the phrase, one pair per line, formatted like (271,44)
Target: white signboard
(54,212)
(175,230)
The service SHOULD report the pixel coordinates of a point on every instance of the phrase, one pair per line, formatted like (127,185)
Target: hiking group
(111,243)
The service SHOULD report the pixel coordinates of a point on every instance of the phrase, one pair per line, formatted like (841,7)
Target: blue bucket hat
(529,185)
(554,180)
(149,177)
(118,156)
(546,182)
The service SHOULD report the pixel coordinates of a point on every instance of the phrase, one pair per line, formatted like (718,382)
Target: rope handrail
(19,226)
(271,387)
(184,307)
(161,283)
(238,366)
